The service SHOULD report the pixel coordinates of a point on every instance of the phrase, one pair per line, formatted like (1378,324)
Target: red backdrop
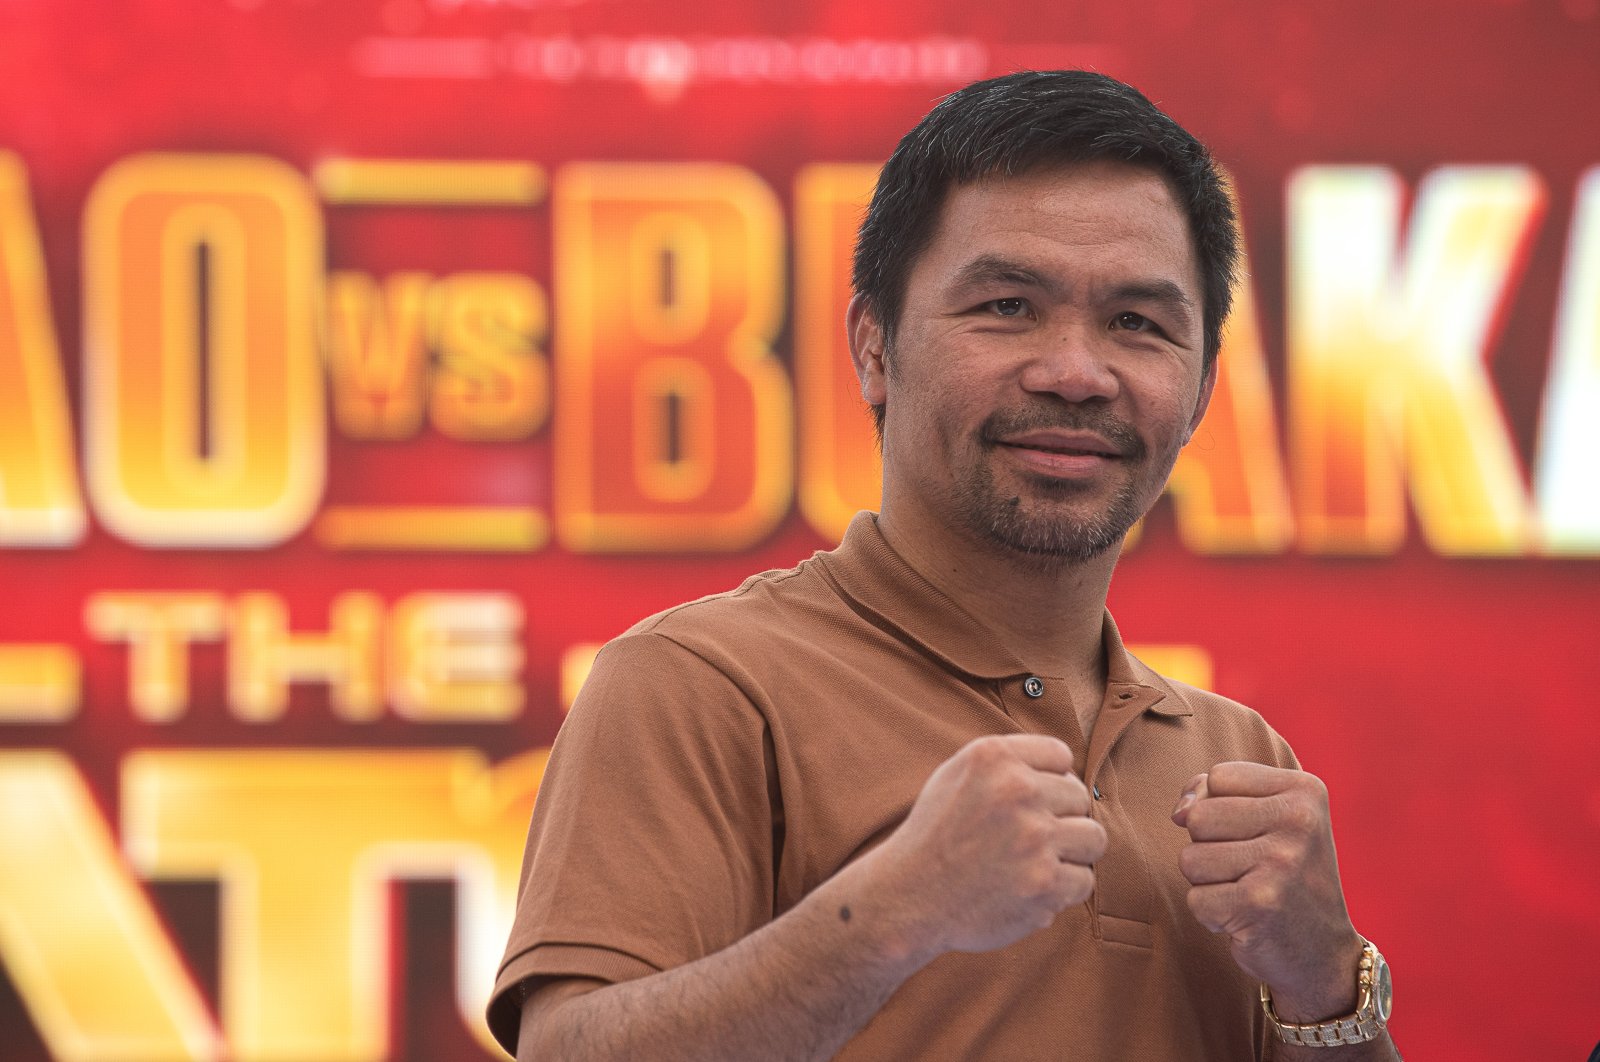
(323,463)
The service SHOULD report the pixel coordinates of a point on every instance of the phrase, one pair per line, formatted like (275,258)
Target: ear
(1207,384)
(866,351)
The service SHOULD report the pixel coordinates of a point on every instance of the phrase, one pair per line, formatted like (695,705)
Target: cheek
(1166,415)
(928,423)
(940,393)
(1172,385)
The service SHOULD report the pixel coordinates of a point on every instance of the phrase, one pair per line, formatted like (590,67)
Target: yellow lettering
(457,657)
(377,353)
(576,663)
(492,380)
(1228,484)
(841,472)
(305,928)
(1386,374)
(1569,438)
(159,629)
(82,945)
(39,498)
(1186,663)
(264,657)
(39,683)
(203,385)
(676,425)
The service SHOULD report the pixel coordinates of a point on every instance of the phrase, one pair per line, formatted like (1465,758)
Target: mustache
(1101,421)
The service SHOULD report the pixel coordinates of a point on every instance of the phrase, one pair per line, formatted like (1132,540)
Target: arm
(996,845)
(1262,870)
(797,988)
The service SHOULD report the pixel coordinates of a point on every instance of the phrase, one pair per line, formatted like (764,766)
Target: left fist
(1262,869)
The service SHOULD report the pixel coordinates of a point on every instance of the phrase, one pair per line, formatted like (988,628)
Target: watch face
(1383,991)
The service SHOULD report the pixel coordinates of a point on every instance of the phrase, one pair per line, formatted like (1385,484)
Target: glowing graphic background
(364,364)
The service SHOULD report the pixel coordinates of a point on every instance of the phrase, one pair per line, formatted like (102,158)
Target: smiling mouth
(1060,451)
(1070,451)
(1063,434)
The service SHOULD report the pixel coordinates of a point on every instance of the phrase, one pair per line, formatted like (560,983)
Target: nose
(1072,366)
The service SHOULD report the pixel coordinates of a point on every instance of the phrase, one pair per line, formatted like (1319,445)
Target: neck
(1048,611)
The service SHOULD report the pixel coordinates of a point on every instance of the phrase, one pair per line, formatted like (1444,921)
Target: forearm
(797,989)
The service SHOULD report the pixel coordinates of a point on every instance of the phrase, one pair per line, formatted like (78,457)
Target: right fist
(997,844)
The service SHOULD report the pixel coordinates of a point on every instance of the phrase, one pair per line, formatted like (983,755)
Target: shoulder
(719,642)
(782,605)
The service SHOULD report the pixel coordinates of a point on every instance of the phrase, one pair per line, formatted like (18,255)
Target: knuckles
(1264,894)
(985,752)
(1202,908)
(1308,791)
(976,760)
(1034,836)
(1200,822)
(1227,778)
(1077,885)
(1042,881)
(1086,840)
(1302,813)
(1284,860)
(1191,862)
(1077,799)
(1011,785)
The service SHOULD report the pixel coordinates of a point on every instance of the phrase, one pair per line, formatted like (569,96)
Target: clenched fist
(1262,869)
(997,844)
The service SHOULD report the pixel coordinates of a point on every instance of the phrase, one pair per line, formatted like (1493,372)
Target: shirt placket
(1122,907)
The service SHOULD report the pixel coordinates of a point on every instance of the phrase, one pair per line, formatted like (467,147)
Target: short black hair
(1009,125)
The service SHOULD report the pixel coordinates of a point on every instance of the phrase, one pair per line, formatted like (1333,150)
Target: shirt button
(1033,686)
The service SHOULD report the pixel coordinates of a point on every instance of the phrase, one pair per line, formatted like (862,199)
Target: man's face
(1047,366)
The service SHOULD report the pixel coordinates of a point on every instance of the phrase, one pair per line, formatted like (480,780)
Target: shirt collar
(1129,679)
(880,581)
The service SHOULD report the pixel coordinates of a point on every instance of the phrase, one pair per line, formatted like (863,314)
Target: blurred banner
(364,365)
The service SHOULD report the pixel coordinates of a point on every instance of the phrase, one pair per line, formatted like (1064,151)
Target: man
(913,799)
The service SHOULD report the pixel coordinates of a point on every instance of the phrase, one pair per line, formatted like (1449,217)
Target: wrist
(1330,992)
(1374,1003)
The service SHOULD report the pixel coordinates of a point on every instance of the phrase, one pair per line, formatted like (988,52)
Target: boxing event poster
(366,364)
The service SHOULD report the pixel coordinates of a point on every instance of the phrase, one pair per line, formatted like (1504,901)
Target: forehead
(1100,217)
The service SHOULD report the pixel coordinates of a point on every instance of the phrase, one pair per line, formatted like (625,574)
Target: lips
(1069,443)
(1063,433)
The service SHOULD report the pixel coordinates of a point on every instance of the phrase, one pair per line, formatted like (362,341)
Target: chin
(1053,539)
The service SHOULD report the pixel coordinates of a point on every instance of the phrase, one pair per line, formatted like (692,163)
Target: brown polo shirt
(729,755)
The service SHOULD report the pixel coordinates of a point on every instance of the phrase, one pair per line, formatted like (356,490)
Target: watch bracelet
(1331,1033)
(1336,1032)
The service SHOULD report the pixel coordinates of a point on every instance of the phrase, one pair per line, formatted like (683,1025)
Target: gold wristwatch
(1374,1000)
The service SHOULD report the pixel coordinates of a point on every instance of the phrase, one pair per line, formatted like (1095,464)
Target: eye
(1134,322)
(1006,307)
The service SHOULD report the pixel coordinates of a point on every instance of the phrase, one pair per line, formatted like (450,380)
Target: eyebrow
(997,269)
(994,269)
(1162,292)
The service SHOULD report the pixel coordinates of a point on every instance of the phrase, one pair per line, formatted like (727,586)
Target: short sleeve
(651,843)
(1282,755)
